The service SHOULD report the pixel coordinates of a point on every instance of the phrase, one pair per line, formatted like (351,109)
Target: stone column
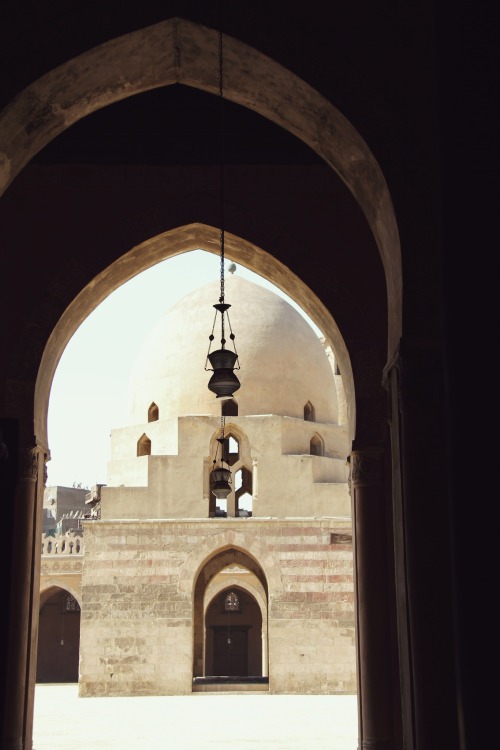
(24,592)
(372,615)
(231,499)
(423,555)
(265,669)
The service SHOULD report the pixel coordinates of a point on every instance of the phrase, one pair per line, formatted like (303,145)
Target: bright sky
(89,393)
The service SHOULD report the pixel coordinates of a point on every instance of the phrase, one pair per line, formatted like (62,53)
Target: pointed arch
(232,581)
(152,251)
(214,564)
(52,584)
(246,542)
(180,51)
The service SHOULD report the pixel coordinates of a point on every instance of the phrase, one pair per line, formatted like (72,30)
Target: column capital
(366,467)
(29,465)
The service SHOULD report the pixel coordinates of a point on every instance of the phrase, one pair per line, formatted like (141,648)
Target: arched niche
(317,446)
(144,445)
(153,413)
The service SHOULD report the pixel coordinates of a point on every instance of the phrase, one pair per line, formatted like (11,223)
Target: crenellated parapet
(68,544)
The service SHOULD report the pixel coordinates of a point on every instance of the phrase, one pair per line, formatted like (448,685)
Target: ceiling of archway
(175,125)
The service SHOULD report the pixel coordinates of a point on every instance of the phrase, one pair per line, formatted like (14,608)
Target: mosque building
(181,592)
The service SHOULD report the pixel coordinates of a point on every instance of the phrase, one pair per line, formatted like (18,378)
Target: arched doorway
(233,635)
(230,621)
(58,637)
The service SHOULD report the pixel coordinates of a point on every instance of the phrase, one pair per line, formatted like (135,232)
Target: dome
(283,364)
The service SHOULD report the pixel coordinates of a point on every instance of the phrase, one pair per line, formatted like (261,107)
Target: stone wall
(137,602)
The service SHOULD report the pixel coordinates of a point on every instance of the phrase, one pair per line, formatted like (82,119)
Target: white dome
(283,364)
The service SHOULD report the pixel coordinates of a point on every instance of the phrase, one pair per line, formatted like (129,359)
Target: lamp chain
(221,300)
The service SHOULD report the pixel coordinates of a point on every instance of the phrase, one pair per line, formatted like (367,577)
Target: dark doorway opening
(58,638)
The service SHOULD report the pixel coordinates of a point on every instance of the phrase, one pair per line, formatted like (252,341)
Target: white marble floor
(200,721)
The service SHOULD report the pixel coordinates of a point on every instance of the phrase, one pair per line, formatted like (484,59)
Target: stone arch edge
(159,248)
(235,582)
(53,583)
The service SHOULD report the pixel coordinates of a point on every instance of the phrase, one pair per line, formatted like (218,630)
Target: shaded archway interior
(233,635)
(58,637)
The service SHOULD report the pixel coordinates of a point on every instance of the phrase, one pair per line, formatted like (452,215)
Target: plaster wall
(296,437)
(177,485)
(162,433)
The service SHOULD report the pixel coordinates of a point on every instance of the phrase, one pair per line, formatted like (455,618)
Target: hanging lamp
(222,361)
(220,479)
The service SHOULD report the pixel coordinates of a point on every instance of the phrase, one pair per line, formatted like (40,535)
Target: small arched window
(230,408)
(309,412)
(232,602)
(144,446)
(153,413)
(317,447)
(71,605)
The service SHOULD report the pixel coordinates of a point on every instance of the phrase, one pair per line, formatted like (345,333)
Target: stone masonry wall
(137,613)
(311,620)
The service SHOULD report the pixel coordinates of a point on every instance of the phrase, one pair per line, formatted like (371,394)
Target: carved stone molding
(366,467)
(29,468)
(63,567)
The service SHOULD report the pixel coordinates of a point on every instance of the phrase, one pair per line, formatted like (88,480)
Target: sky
(89,394)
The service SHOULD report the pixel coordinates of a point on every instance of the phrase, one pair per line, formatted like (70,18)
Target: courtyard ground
(200,721)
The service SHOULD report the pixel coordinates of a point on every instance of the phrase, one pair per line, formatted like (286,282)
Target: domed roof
(283,364)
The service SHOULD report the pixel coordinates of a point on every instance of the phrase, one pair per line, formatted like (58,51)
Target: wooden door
(231,653)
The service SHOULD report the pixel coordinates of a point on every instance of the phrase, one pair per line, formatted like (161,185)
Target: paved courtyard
(200,721)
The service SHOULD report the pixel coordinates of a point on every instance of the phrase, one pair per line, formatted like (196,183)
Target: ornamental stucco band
(366,467)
